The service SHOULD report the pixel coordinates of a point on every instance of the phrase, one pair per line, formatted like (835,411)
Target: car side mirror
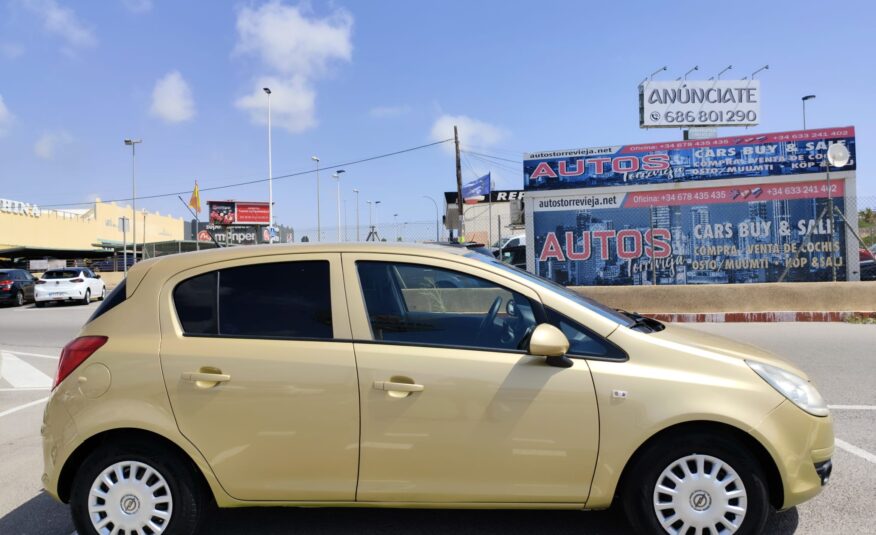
(96,276)
(550,342)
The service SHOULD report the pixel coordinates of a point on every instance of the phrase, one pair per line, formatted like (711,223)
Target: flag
(195,201)
(476,190)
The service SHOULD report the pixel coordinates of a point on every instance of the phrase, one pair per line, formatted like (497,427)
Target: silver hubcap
(130,498)
(700,493)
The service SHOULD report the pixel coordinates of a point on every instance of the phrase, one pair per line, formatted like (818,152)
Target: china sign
(684,103)
(767,155)
(234,212)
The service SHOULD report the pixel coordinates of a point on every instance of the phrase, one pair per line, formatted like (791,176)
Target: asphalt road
(841,359)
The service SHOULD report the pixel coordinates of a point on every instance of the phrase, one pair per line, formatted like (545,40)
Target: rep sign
(687,103)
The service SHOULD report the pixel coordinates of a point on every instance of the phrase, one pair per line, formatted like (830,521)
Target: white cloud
(172,99)
(471,131)
(296,48)
(11,50)
(285,40)
(138,6)
(381,112)
(293,103)
(6,118)
(63,22)
(48,144)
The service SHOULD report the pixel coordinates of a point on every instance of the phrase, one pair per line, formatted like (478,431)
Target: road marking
(20,374)
(854,450)
(852,407)
(7,412)
(54,357)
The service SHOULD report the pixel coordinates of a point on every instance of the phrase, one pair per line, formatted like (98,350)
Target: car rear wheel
(19,299)
(699,483)
(102,294)
(87,298)
(135,489)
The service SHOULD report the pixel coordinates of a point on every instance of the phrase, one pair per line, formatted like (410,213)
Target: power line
(248,182)
(491,156)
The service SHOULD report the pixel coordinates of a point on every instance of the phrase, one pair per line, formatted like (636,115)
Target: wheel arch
(775,486)
(75,459)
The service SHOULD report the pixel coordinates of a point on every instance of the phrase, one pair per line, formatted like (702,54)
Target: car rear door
(451,409)
(261,375)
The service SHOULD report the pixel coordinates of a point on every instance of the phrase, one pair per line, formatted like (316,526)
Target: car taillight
(77,280)
(6,284)
(75,353)
(40,281)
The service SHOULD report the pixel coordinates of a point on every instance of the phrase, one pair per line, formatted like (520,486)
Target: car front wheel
(19,299)
(136,490)
(701,483)
(87,298)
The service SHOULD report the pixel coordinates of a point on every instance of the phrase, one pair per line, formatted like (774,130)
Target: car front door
(452,409)
(261,375)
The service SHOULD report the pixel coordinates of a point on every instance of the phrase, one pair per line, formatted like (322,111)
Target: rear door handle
(397,387)
(203,377)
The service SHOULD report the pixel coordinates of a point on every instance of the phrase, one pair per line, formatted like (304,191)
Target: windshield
(61,274)
(586,302)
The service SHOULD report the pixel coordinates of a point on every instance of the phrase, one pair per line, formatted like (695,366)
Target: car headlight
(798,390)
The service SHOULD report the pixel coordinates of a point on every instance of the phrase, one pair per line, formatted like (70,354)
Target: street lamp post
(318,225)
(437,215)
(356,191)
(804,99)
(376,217)
(267,91)
(395,220)
(133,144)
(337,176)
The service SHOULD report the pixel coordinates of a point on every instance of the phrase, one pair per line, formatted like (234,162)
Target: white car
(511,241)
(69,284)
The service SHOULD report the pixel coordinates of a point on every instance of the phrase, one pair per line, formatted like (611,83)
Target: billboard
(685,103)
(742,209)
(768,156)
(727,234)
(235,212)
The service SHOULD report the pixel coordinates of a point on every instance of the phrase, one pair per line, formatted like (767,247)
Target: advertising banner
(687,103)
(730,234)
(243,213)
(771,156)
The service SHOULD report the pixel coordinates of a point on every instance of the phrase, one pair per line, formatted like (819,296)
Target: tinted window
(62,274)
(582,341)
(284,299)
(411,303)
(195,301)
(115,298)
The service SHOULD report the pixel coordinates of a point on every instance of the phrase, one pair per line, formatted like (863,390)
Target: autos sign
(685,103)
(727,234)
(767,155)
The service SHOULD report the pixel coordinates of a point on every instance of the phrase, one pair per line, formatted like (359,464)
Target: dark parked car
(515,256)
(16,286)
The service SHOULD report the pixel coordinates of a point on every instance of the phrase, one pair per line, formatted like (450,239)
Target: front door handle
(206,378)
(397,387)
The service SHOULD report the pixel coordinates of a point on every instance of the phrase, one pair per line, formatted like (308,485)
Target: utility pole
(459,231)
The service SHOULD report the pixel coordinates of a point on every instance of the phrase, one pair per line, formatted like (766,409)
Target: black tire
(102,294)
(641,480)
(189,498)
(19,299)
(87,298)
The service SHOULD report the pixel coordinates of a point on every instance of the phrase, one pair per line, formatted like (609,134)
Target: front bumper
(801,445)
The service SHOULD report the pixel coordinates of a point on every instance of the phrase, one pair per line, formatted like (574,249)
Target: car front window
(586,302)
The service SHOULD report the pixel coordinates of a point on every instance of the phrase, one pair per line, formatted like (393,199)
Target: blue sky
(353,79)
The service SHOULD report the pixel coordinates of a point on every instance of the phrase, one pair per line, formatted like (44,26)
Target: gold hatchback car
(413,376)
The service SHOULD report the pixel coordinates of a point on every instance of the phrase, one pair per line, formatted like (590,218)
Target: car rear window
(273,300)
(62,274)
(114,299)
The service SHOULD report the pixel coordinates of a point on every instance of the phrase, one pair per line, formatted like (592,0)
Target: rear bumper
(58,295)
